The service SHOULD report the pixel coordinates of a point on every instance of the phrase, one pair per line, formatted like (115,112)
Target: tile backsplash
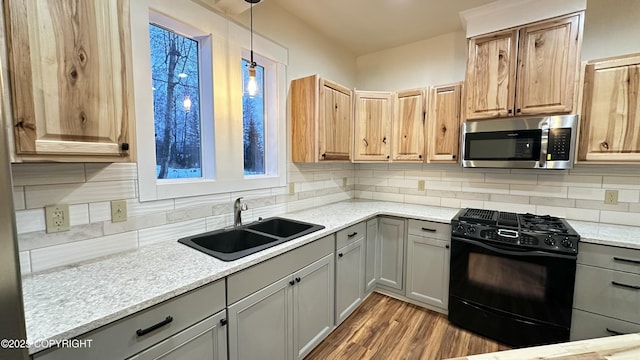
(88,188)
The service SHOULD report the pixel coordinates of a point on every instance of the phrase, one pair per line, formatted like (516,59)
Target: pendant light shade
(252,84)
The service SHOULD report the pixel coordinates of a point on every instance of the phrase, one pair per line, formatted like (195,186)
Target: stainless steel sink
(235,243)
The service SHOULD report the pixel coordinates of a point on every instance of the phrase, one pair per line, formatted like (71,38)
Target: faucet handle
(244,206)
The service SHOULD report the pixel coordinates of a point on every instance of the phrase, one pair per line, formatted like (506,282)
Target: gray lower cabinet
(286,319)
(390,250)
(428,246)
(370,275)
(606,299)
(349,278)
(187,324)
(205,340)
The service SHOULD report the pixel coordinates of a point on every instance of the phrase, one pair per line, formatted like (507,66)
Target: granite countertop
(70,301)
(623,347)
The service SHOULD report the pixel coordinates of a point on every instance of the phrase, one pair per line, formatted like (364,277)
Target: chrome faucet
(238,208)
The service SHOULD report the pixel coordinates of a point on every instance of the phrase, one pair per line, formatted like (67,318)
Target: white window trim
(228,41)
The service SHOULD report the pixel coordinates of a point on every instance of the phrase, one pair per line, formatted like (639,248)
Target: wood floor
(386,328)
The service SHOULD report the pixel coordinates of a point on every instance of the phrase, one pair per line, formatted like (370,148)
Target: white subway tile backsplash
(514,179)
(372,181)
(517,199)
(79,214)
(267,211)
(455,203)
(101,211)
(510,207)
(111,172)
(389,174)
(486,188)
(18,198)
(423,175)
(583,214)
(171,232)
(190,213)
(363,194)
(43,195)
(135,223)
(25,262)
(71,253)
(403,183)
(47,174)
(600,205)
(422,200)
(621,182)
(445,185)
(570,180)
(388,197)
(460,176)
(547,201)
(620,218)
(539,190)
(465,203)
(183,203)
(219,222)
(30,220)
(631,196)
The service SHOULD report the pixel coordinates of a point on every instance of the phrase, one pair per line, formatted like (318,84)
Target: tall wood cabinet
(610,124)
(71,79)
(321,118)
(524,71)
(443,137)
(372,125)
(408,140)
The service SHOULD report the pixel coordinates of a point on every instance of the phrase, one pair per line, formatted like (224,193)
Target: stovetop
(541,232)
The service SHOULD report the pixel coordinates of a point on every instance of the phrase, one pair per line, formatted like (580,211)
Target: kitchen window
(198,133)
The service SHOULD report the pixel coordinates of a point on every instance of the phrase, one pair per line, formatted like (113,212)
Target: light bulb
(187,103)
(252,84)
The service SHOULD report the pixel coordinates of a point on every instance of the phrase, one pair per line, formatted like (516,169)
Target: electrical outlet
(611,197)
(292,188)
(118,210)
(57,218)
(344,182)
(421,185)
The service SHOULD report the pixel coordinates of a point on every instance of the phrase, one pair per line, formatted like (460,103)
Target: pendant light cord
(253,64)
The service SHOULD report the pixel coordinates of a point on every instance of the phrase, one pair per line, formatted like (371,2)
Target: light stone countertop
(70,301)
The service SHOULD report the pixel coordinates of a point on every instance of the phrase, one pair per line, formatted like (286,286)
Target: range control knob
(567,243)
(460,228)
(471,229)
(550,241)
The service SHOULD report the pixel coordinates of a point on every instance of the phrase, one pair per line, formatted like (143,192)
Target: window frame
(228,42)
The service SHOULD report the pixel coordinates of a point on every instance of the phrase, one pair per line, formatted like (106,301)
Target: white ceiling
(366,26)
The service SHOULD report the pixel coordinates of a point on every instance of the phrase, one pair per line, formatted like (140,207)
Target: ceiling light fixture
(252,84)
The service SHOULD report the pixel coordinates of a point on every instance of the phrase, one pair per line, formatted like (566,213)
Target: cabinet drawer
(119,340)
(430,229)
(350,234)
(586,325)
(608,292)
(610,257)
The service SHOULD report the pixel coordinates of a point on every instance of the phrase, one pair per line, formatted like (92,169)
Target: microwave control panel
(559,145)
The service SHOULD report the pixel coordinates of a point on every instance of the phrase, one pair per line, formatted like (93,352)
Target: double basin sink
(238,242)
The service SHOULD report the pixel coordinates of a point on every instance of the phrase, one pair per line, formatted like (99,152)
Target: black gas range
(541,232)
(512,276)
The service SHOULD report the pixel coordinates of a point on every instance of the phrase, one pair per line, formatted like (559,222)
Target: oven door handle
(504,251)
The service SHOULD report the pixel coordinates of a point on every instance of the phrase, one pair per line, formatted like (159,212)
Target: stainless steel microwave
(547,142)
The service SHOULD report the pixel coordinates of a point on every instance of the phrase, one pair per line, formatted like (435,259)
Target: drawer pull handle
(298,279)
(352,235)
(626,260)
(634,287)
(162,323)
(291,282)
(616,332)
(429,230)
(340,255)
(223,322)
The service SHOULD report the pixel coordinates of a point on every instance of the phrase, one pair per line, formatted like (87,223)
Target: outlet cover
(344,182)
(611,197)
(118,210)
(57,218)
(421,185)
(292,188)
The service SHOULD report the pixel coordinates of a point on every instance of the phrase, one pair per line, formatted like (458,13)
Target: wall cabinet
(350,270)
(527,71)
(611,110)
(372,126)
(428,246)
(390,262)
(286,319)
(321,120)
(607,292)
(71,80)
(408,141)
(370,276)
(444,123)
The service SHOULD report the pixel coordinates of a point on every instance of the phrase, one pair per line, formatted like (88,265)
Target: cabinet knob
(510,111)
(519,110)
(223,322)
(447,246)
(291,282)
(453,156)
(340,255)
(324,155)
(387,156)
(125,146)
(419,156)
(384,139)
(297,279)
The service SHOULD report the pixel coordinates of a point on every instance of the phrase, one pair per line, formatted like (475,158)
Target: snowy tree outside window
(176,104)
(253,123)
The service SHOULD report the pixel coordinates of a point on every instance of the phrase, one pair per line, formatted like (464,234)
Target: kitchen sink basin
(235,243)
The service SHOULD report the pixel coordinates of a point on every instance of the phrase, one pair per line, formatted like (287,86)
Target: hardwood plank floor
(387,328)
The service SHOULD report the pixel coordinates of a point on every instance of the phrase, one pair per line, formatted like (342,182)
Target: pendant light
(252,84)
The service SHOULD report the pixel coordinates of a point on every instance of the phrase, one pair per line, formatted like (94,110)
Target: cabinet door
(428,271)
(313,305)
(444,123)
(205,340)
(390,252)
(349,279)
(587,325)
(260,324)
(370,275)
(611,111)
(548,66)
(71,80)
(372,127)
(334,125)
(491,75)
(408,126)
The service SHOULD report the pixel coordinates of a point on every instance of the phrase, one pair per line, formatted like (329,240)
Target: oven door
(533,286)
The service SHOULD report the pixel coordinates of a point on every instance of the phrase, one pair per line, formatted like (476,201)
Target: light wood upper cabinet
(321,117)
(408,126)
(372,125)
(444,123)
(70,75)
(526,71)
(610,124)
